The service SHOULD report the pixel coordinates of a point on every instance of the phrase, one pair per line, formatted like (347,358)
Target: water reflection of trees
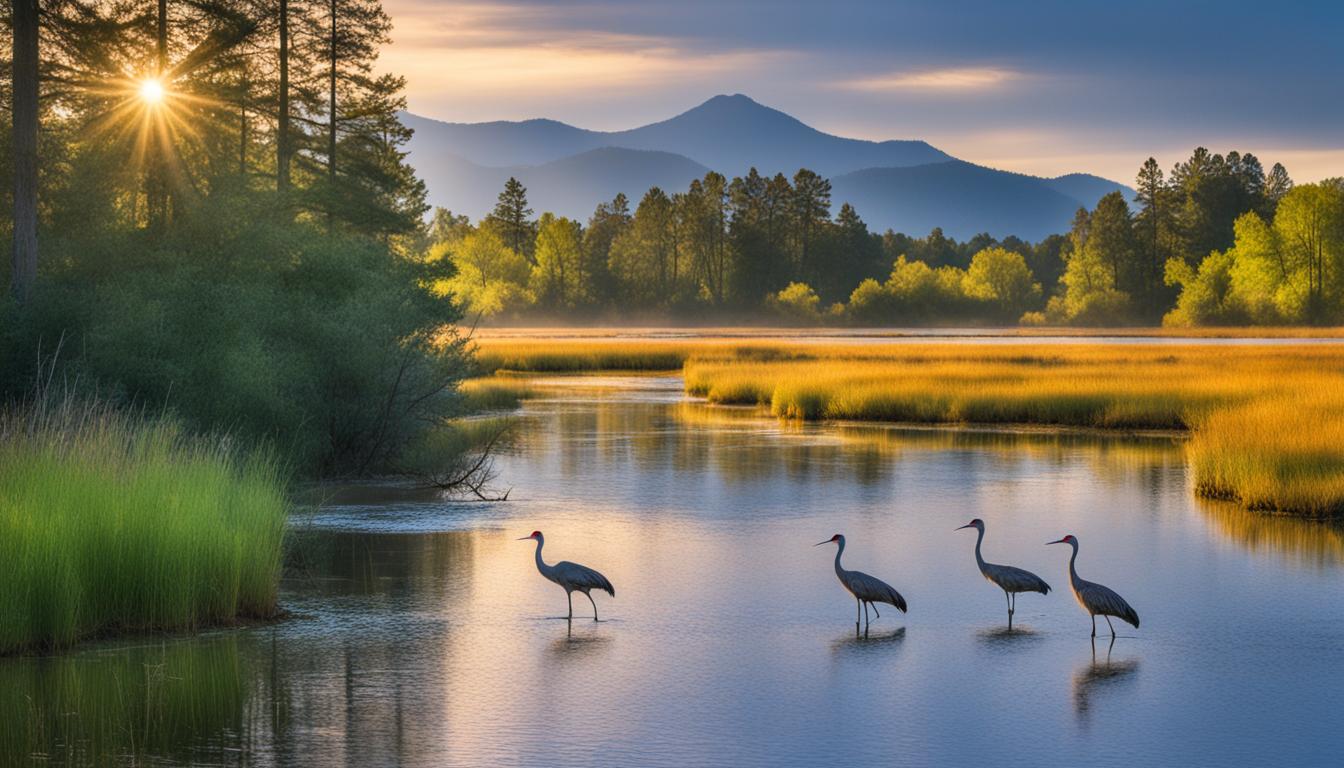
(1315,543)
(743,445)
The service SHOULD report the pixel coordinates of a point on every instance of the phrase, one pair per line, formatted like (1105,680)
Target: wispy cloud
(950,79)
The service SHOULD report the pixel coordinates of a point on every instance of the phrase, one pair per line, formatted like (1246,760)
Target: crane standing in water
(1011,580)
(867,590)
(1096,599)
(571,576)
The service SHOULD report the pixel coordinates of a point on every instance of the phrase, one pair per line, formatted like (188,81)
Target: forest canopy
(777,249)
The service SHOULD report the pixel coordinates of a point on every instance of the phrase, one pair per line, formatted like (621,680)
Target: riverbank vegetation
(1205,244)
(114,522)
(1259,415)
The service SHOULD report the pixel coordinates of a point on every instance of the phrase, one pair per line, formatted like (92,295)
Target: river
(423,635)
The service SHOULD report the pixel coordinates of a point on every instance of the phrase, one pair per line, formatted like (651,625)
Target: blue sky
(1045,87)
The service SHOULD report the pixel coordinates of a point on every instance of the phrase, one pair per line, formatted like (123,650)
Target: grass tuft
(113,523)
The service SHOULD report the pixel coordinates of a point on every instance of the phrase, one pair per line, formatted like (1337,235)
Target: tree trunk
(331,122)
(282,119)
(25,147)
(331,117)
(157,182)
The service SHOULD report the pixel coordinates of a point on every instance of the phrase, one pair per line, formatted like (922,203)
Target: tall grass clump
(112,522)
(1283,454)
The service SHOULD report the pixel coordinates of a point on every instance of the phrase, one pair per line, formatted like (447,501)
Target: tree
(608,222)
(1001,278)
(23,97)
(491,278)
(1153,225)
(1277,184)
(1309,225)
(556,276)
(809,215)
(1090,296)
(510,218)
(643,257)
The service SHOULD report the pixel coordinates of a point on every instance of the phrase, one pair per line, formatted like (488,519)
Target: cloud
(951,79)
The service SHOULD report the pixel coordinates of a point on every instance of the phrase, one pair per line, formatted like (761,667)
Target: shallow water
(423,634)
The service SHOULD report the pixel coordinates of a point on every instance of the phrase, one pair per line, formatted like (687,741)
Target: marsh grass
(494,393)
(119,523)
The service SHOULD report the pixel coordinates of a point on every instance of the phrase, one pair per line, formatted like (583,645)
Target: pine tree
(510,219)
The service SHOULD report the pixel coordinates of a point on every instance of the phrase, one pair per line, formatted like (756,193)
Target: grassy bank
(113,523)
(1265,420)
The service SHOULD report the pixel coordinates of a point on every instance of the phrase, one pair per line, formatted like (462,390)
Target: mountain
(1088,189)
(907,185)
(962,198)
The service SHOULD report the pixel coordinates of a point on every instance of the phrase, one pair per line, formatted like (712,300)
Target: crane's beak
(1048,543)
(828,541)
(523,538)
(958,528)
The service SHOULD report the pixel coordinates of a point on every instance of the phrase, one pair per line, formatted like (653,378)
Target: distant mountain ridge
(569,170)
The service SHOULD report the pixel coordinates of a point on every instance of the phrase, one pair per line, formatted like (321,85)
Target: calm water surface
(423,634)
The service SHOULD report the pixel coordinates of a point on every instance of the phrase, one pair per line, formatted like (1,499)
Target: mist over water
(423,635)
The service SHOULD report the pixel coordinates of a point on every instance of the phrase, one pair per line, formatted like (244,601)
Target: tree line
(213,212)
(758,246)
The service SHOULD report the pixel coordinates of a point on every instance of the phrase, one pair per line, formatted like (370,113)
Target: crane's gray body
(867,590)
(572,577)
(1097,599)
(1010,579)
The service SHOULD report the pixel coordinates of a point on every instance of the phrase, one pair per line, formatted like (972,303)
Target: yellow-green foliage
(111,523)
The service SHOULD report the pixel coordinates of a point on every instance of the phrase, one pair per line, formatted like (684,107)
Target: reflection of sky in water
(424,636)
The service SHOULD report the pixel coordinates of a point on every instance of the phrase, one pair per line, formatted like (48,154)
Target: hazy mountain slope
(962,198)
(1087,188)
(733,133)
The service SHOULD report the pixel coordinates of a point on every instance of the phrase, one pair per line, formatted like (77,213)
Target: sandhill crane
(1096,599)
(1011,580)
(867,590)
(571,576)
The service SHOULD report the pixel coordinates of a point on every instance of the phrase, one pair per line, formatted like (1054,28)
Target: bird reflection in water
(864,642)
(1099,675)
(585,643)
(1007,636)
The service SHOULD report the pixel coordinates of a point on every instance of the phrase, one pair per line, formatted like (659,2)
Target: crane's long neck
(541,564)
(979,538)
(1073,572)
(839,571)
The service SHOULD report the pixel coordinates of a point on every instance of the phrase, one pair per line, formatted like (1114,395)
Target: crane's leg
(866,620)
(875,613)
(1009,603)
(1112,626)
(858,606)
(570,597)
(589,595)
(1094,625)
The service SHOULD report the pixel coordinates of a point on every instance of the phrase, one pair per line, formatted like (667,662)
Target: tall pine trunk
(157,183)
(282,120)
(25,147)
(331,115)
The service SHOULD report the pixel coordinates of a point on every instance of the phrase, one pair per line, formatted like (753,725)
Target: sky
(1043,87)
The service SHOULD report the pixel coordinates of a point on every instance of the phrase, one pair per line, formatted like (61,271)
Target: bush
(322,344)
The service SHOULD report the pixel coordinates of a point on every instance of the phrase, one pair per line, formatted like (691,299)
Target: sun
(151,91)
